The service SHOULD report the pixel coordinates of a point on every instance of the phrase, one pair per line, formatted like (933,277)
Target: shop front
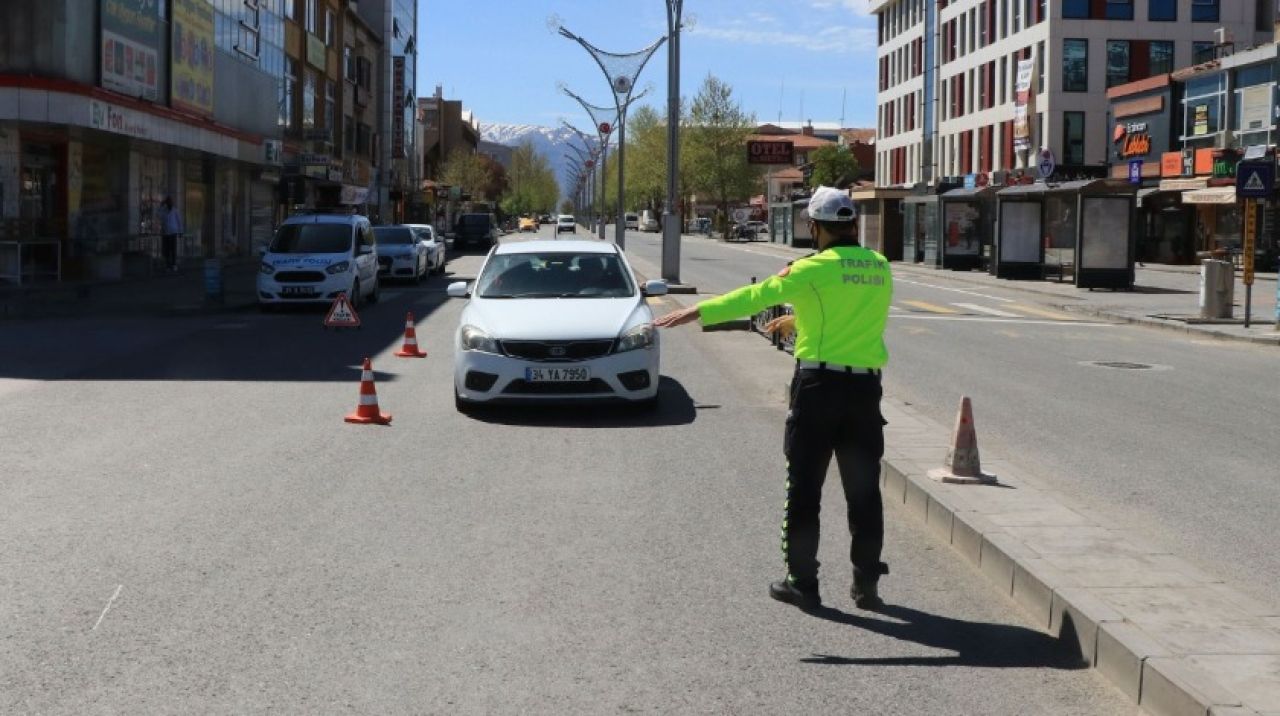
(880,213)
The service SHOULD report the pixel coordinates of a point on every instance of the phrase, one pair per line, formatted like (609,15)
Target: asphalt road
(1183,452)
(189,526)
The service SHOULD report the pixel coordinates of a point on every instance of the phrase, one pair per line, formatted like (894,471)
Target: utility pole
(671,219)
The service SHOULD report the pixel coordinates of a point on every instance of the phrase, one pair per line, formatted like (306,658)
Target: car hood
(545,319)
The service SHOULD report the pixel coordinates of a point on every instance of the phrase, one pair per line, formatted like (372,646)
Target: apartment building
(398,185)
(948,75)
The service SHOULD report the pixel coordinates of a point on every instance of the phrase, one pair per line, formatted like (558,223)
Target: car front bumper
(490,378)
(325,291)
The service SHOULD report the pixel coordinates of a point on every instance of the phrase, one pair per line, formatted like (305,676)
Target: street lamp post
(671,219)
(621,71)
(600,117)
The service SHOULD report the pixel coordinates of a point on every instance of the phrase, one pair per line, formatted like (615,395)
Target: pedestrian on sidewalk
(841,298)
(172,230)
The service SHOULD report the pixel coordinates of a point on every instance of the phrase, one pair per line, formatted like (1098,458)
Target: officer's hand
(784,326)
(677,318)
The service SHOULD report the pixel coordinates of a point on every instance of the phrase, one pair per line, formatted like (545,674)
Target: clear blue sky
(502,61)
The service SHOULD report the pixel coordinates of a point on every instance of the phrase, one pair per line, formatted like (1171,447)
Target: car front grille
(558,351)
(299,277)
(595,386)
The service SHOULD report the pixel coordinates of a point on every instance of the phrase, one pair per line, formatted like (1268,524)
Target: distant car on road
(400,253)
(434,244)
(528,223)
(648,222)
(631,221)
(315,257)
(546,219)
(566,223)
(561,321)
(476,230)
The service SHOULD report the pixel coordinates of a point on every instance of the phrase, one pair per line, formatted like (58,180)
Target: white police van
(315,257)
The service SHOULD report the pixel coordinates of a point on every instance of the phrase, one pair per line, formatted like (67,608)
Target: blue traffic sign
(1135,171)
(1255,180)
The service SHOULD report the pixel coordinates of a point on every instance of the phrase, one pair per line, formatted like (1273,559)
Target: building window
(1203,107)
(329,28)
(1117,62)
(1202,51)
(1075,65)
(290,9)
(348,64)
(312,11)
(1073,138)
(1204,10)
(1161,57)
(1075,9)
(330,102)
(1119,9)
(1162,10)
(348,133)
(308,100)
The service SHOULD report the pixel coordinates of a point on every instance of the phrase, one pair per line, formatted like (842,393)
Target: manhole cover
(1122,365)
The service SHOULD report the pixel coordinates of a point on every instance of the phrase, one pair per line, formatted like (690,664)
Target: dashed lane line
(984,309)
(930,307)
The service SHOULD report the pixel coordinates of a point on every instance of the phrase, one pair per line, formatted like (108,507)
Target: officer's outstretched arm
(749,300)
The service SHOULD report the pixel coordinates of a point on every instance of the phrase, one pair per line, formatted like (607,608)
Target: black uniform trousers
(833,412)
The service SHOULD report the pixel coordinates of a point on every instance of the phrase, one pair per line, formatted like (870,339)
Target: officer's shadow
(978,644)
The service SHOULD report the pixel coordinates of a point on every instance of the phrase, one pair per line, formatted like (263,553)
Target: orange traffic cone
(963,466)
(410,349)
(367,411)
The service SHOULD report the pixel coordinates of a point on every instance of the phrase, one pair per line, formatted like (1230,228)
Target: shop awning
(1212,195)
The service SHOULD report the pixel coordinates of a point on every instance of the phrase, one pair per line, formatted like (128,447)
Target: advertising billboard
(130,47)
(1022,105)
(192,72)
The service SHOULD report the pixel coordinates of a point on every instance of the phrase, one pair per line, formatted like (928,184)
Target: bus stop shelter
(1042,230)
(967,217)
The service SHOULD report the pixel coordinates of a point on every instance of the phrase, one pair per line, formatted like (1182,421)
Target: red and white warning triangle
(341,314)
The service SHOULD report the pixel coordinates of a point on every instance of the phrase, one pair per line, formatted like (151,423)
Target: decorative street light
(621,71)
(671,219)
(603,119)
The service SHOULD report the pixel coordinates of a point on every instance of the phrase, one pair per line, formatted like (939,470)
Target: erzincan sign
(770,152)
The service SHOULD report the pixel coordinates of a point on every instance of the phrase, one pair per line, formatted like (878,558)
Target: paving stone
(1081,540)
(1055,515)
(1171,686)
(1000,553)
(1076,616)
(1163,610)
(1254,678)
(1107,570)
(1233,711)
(940,520)
(1122,648)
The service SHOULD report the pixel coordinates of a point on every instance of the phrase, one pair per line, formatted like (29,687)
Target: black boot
(865,590)
(784,591)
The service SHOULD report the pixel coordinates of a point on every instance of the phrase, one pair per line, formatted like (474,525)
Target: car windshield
(566,220)
(424,233)
(312,239)
(555,275)
(475,220)
(391,235)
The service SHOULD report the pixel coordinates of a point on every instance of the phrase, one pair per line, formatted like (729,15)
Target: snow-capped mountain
(551,142)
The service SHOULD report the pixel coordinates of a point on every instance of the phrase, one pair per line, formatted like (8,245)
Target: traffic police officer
(840,297)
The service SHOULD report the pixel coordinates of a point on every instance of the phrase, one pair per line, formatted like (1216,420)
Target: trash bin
(213,280)
(1217,288)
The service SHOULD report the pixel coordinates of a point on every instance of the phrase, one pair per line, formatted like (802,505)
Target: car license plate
(557,375)
(298,291)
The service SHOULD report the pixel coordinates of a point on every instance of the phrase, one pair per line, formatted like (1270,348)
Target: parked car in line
(565,222)
(435,246)
(476,230)
(314,257)
(400,253)
(648,221)
(558,321)
(546,219)
(528,223)
(631,222)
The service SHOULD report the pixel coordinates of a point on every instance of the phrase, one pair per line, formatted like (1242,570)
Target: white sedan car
(434,245)
(400,253)
(560,321)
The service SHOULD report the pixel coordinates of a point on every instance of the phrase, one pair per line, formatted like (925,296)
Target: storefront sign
(316,51)
(110,118)
(1171,164)
(1204,161)
(191,74)
(761,151)
(130,47)
(272,152)
(1189,162)
(397,110)
(1250,240)
(1255,108)
(1134,140)
(1224,165)
(354,194)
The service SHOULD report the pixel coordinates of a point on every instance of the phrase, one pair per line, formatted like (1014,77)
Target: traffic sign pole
(1250,231)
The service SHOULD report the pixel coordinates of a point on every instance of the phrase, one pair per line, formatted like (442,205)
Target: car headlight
(267,268)
(474,339)
(639,337)
(340,267)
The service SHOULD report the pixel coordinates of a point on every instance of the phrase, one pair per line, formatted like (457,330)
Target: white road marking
(1008,321)
(988,311)
(956,290)
(107,608)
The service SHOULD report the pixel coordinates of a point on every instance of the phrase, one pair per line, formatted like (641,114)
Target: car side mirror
(655,287)
(458,289)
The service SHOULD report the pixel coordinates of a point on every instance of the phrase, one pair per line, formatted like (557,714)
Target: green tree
(468,171)
(717,141)
(833,165)
(532,186)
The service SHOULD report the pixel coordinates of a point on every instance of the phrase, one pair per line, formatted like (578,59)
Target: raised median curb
(1173,638)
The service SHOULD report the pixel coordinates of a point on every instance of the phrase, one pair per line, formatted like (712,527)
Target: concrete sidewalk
(180,293)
